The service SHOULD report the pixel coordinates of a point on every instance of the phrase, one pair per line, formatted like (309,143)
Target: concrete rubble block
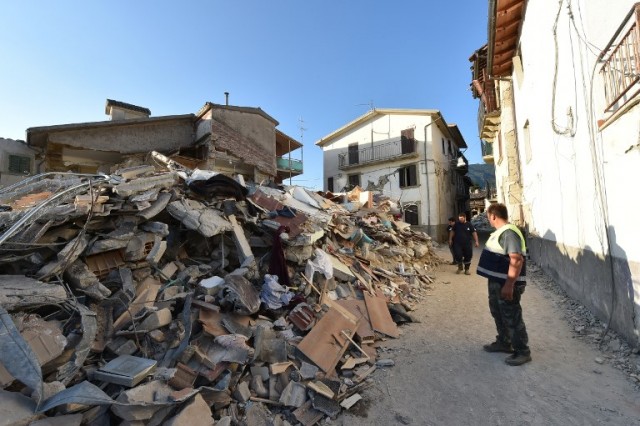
(242,393)
(16,409)
(198,217)
(308,371)
(156,207)
(18,291)
(242,245)
(122,346)
(351,401)
(134,172)
(157,251)
(298,254)
(257,414)
(184,377)
(64,420)
(258,387)
(136,249)
(239,293)
(145,402)
(195,412)
(294,395)
(142,184)
(158,228)
(156,320)
(65,257)
(81,278)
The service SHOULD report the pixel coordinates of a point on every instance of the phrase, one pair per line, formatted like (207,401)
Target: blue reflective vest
(494,260)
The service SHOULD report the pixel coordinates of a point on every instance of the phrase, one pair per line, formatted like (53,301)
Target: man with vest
(503,262)
(461,237)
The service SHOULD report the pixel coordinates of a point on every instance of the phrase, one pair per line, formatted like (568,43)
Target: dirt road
(443,377)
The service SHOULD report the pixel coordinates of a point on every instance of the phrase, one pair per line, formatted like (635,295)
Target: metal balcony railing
(378,153)
(289,164)
(621,69)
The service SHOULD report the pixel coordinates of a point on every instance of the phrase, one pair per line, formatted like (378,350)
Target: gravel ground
(442,376)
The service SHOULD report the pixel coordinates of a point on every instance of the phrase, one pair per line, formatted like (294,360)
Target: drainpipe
(426,170)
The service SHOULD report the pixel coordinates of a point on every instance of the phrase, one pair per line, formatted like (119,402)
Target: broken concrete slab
(142,184)
(81,278)
(294,395)
(16,409)
(240,295)
(196,216)
(195,412)
(18,291)
(156,320)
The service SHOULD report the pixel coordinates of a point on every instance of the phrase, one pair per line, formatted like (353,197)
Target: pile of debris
(174,296)
(481,222)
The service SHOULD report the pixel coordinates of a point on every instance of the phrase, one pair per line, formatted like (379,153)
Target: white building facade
(565,137)
(412,156)
(17,161)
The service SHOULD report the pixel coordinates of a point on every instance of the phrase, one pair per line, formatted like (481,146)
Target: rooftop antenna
(302,129)
(371,107)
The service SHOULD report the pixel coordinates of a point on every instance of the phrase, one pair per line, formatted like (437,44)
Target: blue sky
(322,61)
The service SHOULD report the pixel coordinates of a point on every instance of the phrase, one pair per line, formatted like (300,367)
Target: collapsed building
(158,293)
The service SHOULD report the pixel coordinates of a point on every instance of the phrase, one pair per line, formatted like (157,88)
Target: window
(411,214)
(443,151)
(408,142)
(408,176)
(354,157)
(353,181)
(330,184)
(19,164)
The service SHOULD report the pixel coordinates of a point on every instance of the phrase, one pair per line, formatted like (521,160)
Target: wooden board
(358,308)
(325,344)
(380,316)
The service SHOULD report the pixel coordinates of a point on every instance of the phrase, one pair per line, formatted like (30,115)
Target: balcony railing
(378,153)
(621,69)
(287,164)
(487,152)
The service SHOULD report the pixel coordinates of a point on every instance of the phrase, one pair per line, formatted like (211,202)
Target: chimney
(226,98)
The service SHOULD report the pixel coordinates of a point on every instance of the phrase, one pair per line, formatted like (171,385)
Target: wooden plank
(358,309)
(325,344)
(380,316)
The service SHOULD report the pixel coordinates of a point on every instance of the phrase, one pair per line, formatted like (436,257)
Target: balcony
(354,158)
(621,57)
(488,109)
(287,168)
(286,165)
(487,152)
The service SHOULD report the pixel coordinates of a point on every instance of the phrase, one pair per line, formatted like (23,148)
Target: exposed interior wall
(10,147)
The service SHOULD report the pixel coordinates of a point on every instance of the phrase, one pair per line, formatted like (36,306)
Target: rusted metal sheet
(380,316)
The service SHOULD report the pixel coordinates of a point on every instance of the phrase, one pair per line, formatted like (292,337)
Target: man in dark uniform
(503,262)
(461,238)
(452,221)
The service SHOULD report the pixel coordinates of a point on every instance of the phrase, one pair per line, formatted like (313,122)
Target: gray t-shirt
(510,241)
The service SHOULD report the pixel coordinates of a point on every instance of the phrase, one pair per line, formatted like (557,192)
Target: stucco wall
(579,180)
(12,147)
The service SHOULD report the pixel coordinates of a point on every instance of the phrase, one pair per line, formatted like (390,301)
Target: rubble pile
(175,296)
(481,222)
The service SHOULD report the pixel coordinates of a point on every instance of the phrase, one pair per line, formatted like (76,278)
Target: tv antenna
(371,107)
(302,128)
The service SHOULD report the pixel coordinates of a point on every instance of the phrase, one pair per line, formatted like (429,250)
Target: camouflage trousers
(508,317)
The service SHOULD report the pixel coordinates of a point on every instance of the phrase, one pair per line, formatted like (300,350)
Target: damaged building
(226,138)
